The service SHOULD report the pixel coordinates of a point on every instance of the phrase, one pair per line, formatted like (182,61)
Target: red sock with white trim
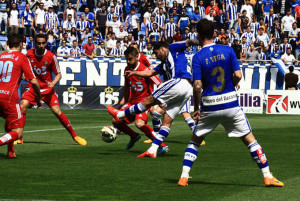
(9,137)
(10,147)
(66,123)
(149,132)
(125,129)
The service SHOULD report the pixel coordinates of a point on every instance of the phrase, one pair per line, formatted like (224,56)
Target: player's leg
(123,126)
(156,118)
(24,104)
(260,158)
(66,123)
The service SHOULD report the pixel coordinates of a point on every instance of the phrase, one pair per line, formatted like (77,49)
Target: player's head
(131,55)
(135,45)
(161,50)
(40,43)
(15,41)
(205,29)
(291,69)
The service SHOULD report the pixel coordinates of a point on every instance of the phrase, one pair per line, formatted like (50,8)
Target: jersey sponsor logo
(72,97)
(109,97)
(278,103)
(4,92)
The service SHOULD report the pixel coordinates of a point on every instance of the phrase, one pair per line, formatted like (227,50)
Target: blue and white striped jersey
(201,11)
(75,52)
(269,20)
(193,36)
(233,11)
(82,24)
(176,64)
(254,28)
(160,20)
(117,51)
(262,56)
(249,38)
(214,65)
(142,45)
(149,26)
(283,47)
(233,37)
(51,20)
(170,29)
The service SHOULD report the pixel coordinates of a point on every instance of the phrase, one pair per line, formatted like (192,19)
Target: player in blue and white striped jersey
(51,19)
(173,93)
(216,72)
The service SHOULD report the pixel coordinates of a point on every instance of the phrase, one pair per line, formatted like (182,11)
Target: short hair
(90,37)
(206,28)
(291,68)
(118,41)
(69,15)
(131,51)
(288,48)
(160,44)
(14,40)
(40,36)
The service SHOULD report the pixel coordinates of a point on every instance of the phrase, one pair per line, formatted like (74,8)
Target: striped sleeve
(55,65)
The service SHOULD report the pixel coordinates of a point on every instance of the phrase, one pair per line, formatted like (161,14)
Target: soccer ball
(109,134)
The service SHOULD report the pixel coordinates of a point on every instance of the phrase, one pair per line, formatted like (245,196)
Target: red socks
(24,118)
(149,133)
(66,123)
(9,137)
(125,129)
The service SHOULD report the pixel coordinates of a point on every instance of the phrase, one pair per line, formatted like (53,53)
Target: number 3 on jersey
(220,78)
(39,71)
(137,87)
(5,70)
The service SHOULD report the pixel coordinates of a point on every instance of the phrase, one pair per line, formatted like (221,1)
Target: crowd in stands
(255,29)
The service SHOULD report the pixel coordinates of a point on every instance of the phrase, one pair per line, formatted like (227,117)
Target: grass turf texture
(50,166)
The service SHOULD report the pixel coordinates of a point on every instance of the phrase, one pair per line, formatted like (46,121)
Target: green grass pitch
(50,166)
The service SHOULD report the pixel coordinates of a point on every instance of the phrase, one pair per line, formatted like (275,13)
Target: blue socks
(190,156)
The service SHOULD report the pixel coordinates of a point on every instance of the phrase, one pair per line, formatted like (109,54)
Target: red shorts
(11,112)
(48,96)
(143,116)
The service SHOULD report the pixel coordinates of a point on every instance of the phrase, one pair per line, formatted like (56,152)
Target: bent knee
(139,124)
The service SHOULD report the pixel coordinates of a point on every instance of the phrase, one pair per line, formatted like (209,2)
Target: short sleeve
(159,69)
(196,65)
(27,69)
(235,66)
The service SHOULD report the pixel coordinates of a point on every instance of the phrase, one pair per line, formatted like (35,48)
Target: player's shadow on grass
(36,142)
(175,142)
(191,181)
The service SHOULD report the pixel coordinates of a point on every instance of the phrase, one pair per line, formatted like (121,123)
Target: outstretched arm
(145,73)
(191,42)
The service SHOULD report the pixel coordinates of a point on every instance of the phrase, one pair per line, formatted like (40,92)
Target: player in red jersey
(143,59)
(135,90)
(14,64)
(45,63)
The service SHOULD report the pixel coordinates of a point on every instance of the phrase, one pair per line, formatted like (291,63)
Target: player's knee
(139,124)
(56,111)
(24,105)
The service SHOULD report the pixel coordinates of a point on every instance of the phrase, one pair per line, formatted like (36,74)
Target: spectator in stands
(56,4)
(250,38)
(117,51)
(70,11)
(252,55)
(244,22)
(175,16)
(111,43)
(125,43)
(47,4)
(212,7)
(196,17)
(215,36)
(141,43)
(132,24)
(160,19)
(155,33)
(149,26)
(276,31)
(101,20)
(96,40)
(130,38)
(220,21)
(269,20)
(51,41)
(286,23)
(266,6)
(30,44)
(33,4)
(297,46)
(100,50)
(271,46)
(89,16)
(288,58)
(89,48)
(170,28)
(156,10)
(118,10)
(147,15)
(293,35)
(210,16)
(111,14)
(184,21)
(233,35)
(293,5)
(291,79)
(27,18)
(75,4)
(232,15)
(222,34)
(248,8)
(277,53)
(75,50)
(148,51)
(283,47)
(13,19)
(237,48)
(69,24)
(81,26)
(60,34)
(115,24)
(262,37)
(63,51)
(85,36)
(189,8)
(121,33)
(51,20)
(185,35)
(39,18)
(177,37)
(297,15)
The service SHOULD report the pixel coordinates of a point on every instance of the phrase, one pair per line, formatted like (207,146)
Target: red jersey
(12,65)
(43,66)
(140,87)
(144,60)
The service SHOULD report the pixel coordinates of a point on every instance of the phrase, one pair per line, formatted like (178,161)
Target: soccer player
(13,65)
(172,94)
(216,71)
(136,89)
(44,64)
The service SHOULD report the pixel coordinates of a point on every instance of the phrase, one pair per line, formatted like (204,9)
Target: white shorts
(186,107)
(233,120)
(174,93)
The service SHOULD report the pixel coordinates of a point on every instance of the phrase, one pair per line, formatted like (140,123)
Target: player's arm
(191,42)
(145,73)
(235,66)
(36,88)
(236,77)
(55,80)
(197,89)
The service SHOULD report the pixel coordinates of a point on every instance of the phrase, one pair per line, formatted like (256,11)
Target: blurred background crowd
(256,29)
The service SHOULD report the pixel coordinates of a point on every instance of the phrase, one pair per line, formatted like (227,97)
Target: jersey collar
(137,66)
(209,45)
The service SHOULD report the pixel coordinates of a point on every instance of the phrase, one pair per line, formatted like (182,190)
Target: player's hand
(50,84)
(39,103)
(128,73)
(196,115)
(237,87)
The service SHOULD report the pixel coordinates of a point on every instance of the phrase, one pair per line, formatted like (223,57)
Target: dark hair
(131,51)
(40,36)
(160,44)
(291,68)
(205,28)
(14,40)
